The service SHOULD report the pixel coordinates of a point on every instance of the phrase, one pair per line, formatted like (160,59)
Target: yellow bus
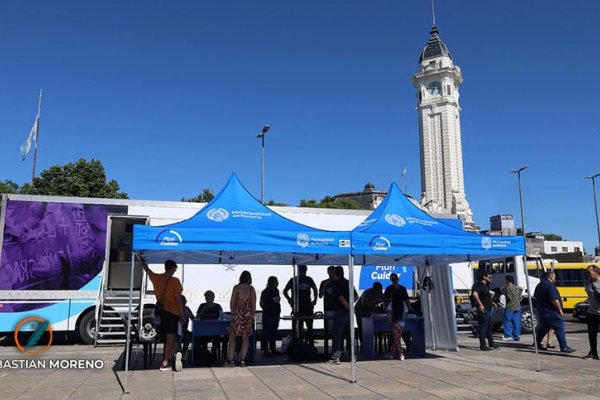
(570,278)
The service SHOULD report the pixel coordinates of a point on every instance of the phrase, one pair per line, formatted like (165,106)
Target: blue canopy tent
(399,232)
(235,228)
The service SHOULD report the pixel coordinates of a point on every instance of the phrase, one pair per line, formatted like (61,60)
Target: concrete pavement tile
(197,394)
(522,396)
(232,373)
(367,397)
(409,395)
(496,389)
(454,393)
(45,394)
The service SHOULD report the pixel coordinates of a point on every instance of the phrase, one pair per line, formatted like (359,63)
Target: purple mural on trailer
(51,246)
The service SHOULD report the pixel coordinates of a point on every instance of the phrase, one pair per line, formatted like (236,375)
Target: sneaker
(334,361)
(567,350)
(540,347)
(506,339)
(178,363)
(401,357)
(164,368)
(590,356)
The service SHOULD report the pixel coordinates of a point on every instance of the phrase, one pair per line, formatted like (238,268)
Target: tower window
(449,90)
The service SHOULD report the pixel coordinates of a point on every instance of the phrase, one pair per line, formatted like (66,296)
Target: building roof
(435,47)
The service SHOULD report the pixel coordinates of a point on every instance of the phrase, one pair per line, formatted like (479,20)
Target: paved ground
(468,374)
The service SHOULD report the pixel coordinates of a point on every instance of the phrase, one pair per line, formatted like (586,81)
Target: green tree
(80,179)
(276,203)
(331,202)
(552,236)
(204,197)
(9,187)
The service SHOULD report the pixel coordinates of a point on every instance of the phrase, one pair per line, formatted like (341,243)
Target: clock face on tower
(435,88)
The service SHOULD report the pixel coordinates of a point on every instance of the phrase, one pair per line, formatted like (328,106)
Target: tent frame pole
(351,319)
(533,317)
(128,335)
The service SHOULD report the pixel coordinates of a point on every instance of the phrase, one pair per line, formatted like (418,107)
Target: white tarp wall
(438,308)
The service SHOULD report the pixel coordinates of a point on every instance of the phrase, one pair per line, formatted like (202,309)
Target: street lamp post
(261,135)
(593,178)
(529,294)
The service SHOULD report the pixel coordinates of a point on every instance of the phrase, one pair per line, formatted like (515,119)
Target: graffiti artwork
(51,246)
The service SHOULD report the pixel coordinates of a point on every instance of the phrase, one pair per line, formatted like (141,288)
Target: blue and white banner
(381,273)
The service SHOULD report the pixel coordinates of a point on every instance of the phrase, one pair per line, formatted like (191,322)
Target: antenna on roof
(433,11)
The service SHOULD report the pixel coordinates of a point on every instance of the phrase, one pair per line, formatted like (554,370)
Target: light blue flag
(32,138)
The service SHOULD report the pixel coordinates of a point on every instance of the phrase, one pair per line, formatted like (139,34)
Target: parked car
(580,310)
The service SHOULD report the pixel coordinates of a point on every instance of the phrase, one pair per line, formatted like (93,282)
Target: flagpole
(37,135)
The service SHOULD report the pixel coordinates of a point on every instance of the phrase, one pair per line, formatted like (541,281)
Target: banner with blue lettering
(381,273)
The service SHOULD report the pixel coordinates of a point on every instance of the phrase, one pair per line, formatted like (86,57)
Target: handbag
(159,306)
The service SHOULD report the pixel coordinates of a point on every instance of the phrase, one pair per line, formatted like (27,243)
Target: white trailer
(67,260)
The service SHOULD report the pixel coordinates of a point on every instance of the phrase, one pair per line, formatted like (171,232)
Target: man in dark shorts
(168,289)
(302,285)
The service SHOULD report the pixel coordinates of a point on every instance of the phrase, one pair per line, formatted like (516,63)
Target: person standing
(326,293)
(168,290)
(512,312)
(550,312)
(302,285)
(481,298)
(389,294)
(341,317)
(243,309)
(271,307)
(396,309)
(592,289)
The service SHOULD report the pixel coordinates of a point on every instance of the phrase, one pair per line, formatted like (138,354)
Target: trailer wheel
(148,330)
(528,320)
(87,327)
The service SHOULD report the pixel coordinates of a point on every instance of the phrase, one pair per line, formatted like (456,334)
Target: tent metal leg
(128,335)
(351,302)
(533,319)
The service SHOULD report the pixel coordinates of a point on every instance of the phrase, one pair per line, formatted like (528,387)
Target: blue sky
(170,97)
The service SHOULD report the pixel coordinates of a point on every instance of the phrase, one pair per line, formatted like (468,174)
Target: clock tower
(442,178)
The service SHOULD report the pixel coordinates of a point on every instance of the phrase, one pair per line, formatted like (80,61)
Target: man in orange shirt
(168,289)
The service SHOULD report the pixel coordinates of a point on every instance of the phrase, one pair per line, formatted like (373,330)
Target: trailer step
(109,341)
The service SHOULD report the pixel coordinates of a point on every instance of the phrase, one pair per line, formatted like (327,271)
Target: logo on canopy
(169,237)
(395,219)
(486,243)
(217,214)
(303,240)
(380,243)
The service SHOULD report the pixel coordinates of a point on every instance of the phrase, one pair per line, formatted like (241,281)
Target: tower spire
(433,11)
